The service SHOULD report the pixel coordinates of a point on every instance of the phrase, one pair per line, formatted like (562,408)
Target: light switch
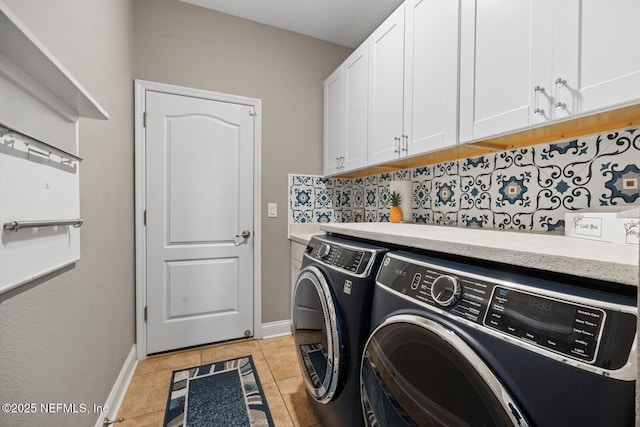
(272,210)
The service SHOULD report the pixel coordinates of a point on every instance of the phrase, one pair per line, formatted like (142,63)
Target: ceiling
(344,22)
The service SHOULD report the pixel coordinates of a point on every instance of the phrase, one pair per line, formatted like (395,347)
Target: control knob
(323,251)
(446,290)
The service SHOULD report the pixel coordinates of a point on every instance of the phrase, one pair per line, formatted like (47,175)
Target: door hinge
(145,314)
(144,119)
(144,219)
(252,111)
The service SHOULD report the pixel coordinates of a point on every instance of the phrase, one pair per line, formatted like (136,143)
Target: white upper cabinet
(431,75)
(505,62)
(356,94)
(386,88)
(596,54)
(524,62)
(346,115)
(333,122)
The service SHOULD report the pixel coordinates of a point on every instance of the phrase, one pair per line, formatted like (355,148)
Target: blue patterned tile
(475,182)
(301,180)
(371,198)
(302,217)
(323,182)
(384,197)
(302,197)
(383,216)
(384,178)
(323,215)
(445,193)
(402,175)
(476,218)
(422,217)
(323,198)
(552,221)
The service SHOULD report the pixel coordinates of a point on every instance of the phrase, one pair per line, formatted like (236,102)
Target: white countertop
(579,257)
(303,238)
(302,233)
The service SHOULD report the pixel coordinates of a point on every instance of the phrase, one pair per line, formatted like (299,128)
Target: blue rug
(226,393)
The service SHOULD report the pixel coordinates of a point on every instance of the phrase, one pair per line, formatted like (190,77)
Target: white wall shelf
(40,105)
(20,47)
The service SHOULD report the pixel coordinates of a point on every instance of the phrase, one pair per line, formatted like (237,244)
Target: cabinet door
(597,53)
(386,65)
(356,80)
(333,122)
(505,53)
(431,74)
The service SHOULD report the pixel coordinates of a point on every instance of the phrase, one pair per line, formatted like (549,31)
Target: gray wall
(182,44)
(66,339)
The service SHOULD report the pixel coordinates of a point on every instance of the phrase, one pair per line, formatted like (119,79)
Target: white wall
(65,338)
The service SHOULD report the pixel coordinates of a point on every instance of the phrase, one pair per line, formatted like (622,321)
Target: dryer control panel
(340,256)
(562,323)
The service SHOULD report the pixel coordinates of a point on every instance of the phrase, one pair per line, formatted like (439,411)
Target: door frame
(141,86)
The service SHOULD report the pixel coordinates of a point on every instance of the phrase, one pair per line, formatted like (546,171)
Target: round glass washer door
(415,372)
(317,334)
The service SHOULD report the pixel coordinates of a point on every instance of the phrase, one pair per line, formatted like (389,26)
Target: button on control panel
(415,282)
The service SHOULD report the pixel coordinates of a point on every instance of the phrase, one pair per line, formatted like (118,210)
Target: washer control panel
(552,320)
(557,325)
(339,256)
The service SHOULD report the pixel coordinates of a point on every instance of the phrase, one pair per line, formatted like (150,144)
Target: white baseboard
(276,329)
(114,401)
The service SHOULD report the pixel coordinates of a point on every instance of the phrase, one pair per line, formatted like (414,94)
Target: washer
(331,310)
(454,344)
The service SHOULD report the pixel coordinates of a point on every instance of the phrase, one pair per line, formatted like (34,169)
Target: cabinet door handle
(536,100)
(396,144)
(560,82)
(405,145)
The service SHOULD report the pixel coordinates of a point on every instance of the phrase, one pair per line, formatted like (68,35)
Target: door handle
(245,236)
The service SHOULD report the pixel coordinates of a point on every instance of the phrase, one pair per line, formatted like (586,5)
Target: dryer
(331,308)
(454,344)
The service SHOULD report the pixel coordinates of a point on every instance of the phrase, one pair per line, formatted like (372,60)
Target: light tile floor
(275,360)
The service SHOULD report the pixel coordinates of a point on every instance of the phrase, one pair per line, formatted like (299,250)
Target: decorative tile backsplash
(527,189)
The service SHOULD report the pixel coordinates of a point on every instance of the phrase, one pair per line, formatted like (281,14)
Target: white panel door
(431,74)
(199,187)
(596,54)
(356,94)
(505,53)
(333,122)
(386,79)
